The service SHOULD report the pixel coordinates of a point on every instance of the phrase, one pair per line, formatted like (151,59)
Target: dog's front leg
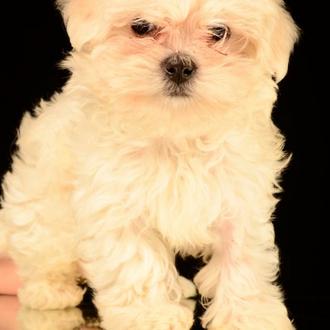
(239,279)
(135,281)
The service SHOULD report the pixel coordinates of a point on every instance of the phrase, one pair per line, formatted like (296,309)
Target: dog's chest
(172,187)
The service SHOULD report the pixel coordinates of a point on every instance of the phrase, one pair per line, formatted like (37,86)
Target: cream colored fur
(113,176)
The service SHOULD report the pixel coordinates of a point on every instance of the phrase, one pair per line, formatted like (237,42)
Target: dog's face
(194,54)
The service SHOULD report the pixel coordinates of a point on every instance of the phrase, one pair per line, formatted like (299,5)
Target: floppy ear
(82,19)
(282,35)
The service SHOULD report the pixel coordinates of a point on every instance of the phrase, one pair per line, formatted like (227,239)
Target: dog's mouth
(174,90)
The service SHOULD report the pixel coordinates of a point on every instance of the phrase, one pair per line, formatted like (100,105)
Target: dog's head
(180,52)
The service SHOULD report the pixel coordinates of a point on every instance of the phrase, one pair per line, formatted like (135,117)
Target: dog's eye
(142,27)
(219,32)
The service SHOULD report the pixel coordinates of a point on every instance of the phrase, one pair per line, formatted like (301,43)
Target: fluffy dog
(161,142)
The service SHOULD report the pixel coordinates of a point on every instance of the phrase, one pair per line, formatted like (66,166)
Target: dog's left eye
(219,32)
(142,27)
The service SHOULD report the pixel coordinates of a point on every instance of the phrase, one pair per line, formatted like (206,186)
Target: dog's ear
(281,35)
(82,19)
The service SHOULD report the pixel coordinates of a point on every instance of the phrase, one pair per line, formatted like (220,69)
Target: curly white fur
(113,176)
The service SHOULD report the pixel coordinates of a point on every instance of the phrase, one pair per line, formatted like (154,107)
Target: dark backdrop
(30,71)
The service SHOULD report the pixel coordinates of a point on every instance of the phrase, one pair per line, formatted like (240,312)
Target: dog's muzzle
(178,70)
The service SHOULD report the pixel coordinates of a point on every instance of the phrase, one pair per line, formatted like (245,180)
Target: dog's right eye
(142,27)
(219,32)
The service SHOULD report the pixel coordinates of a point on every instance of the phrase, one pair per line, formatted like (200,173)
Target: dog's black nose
(179,68)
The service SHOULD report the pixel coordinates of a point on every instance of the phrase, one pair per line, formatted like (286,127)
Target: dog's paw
(189,303)
(188,287)
(253,323)
(172,318)
(67,319)
(163,317)
(44,295)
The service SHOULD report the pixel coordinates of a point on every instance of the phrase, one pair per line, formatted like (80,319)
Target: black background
(37,42)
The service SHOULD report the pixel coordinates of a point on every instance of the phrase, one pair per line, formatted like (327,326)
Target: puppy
(161,142)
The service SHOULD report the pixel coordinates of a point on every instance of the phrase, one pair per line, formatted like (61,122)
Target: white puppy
(161,142)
